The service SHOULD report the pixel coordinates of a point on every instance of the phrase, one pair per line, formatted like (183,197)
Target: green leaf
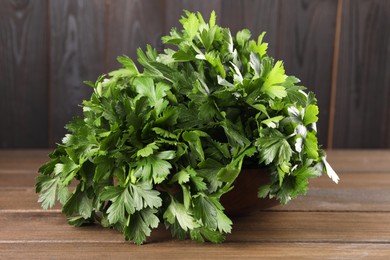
(166,155)
(273,83)
(102,170)
(301,179)
(193,139)
(261,47)
(66,167)
(274,148)
(228,174)
(209,171)
(181,177)
(182,56)
(140,225)
(187,198)
(47,186)
(110,193)
(78,221)
(177,211)
(264,190)
(203,233)
(167,141)
(205,211)
(153,68)
(48,168)
(234,134)
(213,18)
(144,196)
(190,25)
(311,145)
(272,122)
(198,181)
(310,116)
(243,37)
(164,133)
(224,82)
(155,93)
(224,224)
(295,94)
(153,167)
(80,203)
(261,108)
(255,62)
(214,59)
(122,204)
(147,150)
(128,64)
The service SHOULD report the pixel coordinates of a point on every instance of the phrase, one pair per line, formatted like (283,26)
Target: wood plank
(346,227)
(356,191)
(305,43)
(133,24)
(364,161)
(20,199)
(77,30)
(16,179)
(23,98)
(348,220)
(362,103)
(189,250)
(363,200)
(324,227)
(22,161)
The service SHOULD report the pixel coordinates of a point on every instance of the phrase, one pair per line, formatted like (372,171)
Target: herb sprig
(162,145)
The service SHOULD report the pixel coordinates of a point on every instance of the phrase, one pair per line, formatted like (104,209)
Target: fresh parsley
(164,143)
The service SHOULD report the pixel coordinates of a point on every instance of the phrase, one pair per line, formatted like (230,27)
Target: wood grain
(48,48)
(281,226)
(362,103)
(132,25)
(189,250)
(23,73)
(355,192)
(360,160)
(22,161)
(77,41)
(305,44)
(346,221)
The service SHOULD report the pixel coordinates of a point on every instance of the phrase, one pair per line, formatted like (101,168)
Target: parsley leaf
(166,142)
(274,147)
(273,83)
(177,212)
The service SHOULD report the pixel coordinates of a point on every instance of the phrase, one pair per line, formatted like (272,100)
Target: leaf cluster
(163,144)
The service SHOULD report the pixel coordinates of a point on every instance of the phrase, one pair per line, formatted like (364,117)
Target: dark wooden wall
(340,49)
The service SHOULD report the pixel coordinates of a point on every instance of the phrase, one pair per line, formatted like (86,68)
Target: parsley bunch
(162,145)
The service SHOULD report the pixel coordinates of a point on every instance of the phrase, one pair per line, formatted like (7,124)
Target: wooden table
(346,221)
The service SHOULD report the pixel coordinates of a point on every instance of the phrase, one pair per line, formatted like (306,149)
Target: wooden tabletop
(346,221)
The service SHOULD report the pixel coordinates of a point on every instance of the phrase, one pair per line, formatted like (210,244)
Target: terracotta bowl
(242,199)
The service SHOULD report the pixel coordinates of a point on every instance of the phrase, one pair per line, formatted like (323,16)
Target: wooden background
(338,48)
